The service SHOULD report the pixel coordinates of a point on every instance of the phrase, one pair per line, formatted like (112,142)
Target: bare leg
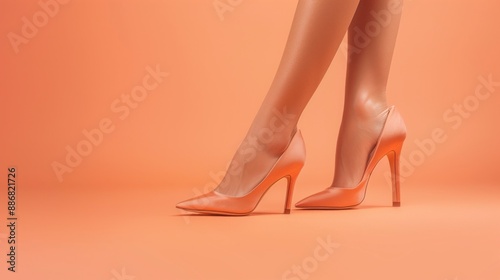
(316,33)
(372,36)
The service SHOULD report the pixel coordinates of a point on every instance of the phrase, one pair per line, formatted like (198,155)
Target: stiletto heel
(289,193)
(394,164)
(288,165)
(389,143)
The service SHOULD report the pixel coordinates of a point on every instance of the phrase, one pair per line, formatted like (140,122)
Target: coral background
(115,208)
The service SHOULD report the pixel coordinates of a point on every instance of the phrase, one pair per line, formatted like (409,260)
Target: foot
(358,136)
(253,160)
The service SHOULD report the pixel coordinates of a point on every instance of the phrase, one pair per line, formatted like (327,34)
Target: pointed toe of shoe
(196,204)
(215,204)
(333,198)
(186,205)
(315,201)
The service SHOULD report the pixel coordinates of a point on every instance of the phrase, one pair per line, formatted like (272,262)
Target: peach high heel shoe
(288,165)
(389,143)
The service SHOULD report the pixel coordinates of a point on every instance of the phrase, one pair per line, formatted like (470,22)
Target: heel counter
(296,151)
(394,131)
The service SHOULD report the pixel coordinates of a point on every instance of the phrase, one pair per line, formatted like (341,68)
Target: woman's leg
(371,40)
(316,33)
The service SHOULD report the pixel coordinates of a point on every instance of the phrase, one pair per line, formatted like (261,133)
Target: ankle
(365,109)
(272,142)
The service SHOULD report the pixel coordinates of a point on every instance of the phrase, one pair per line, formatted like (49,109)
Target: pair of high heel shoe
(290,163)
